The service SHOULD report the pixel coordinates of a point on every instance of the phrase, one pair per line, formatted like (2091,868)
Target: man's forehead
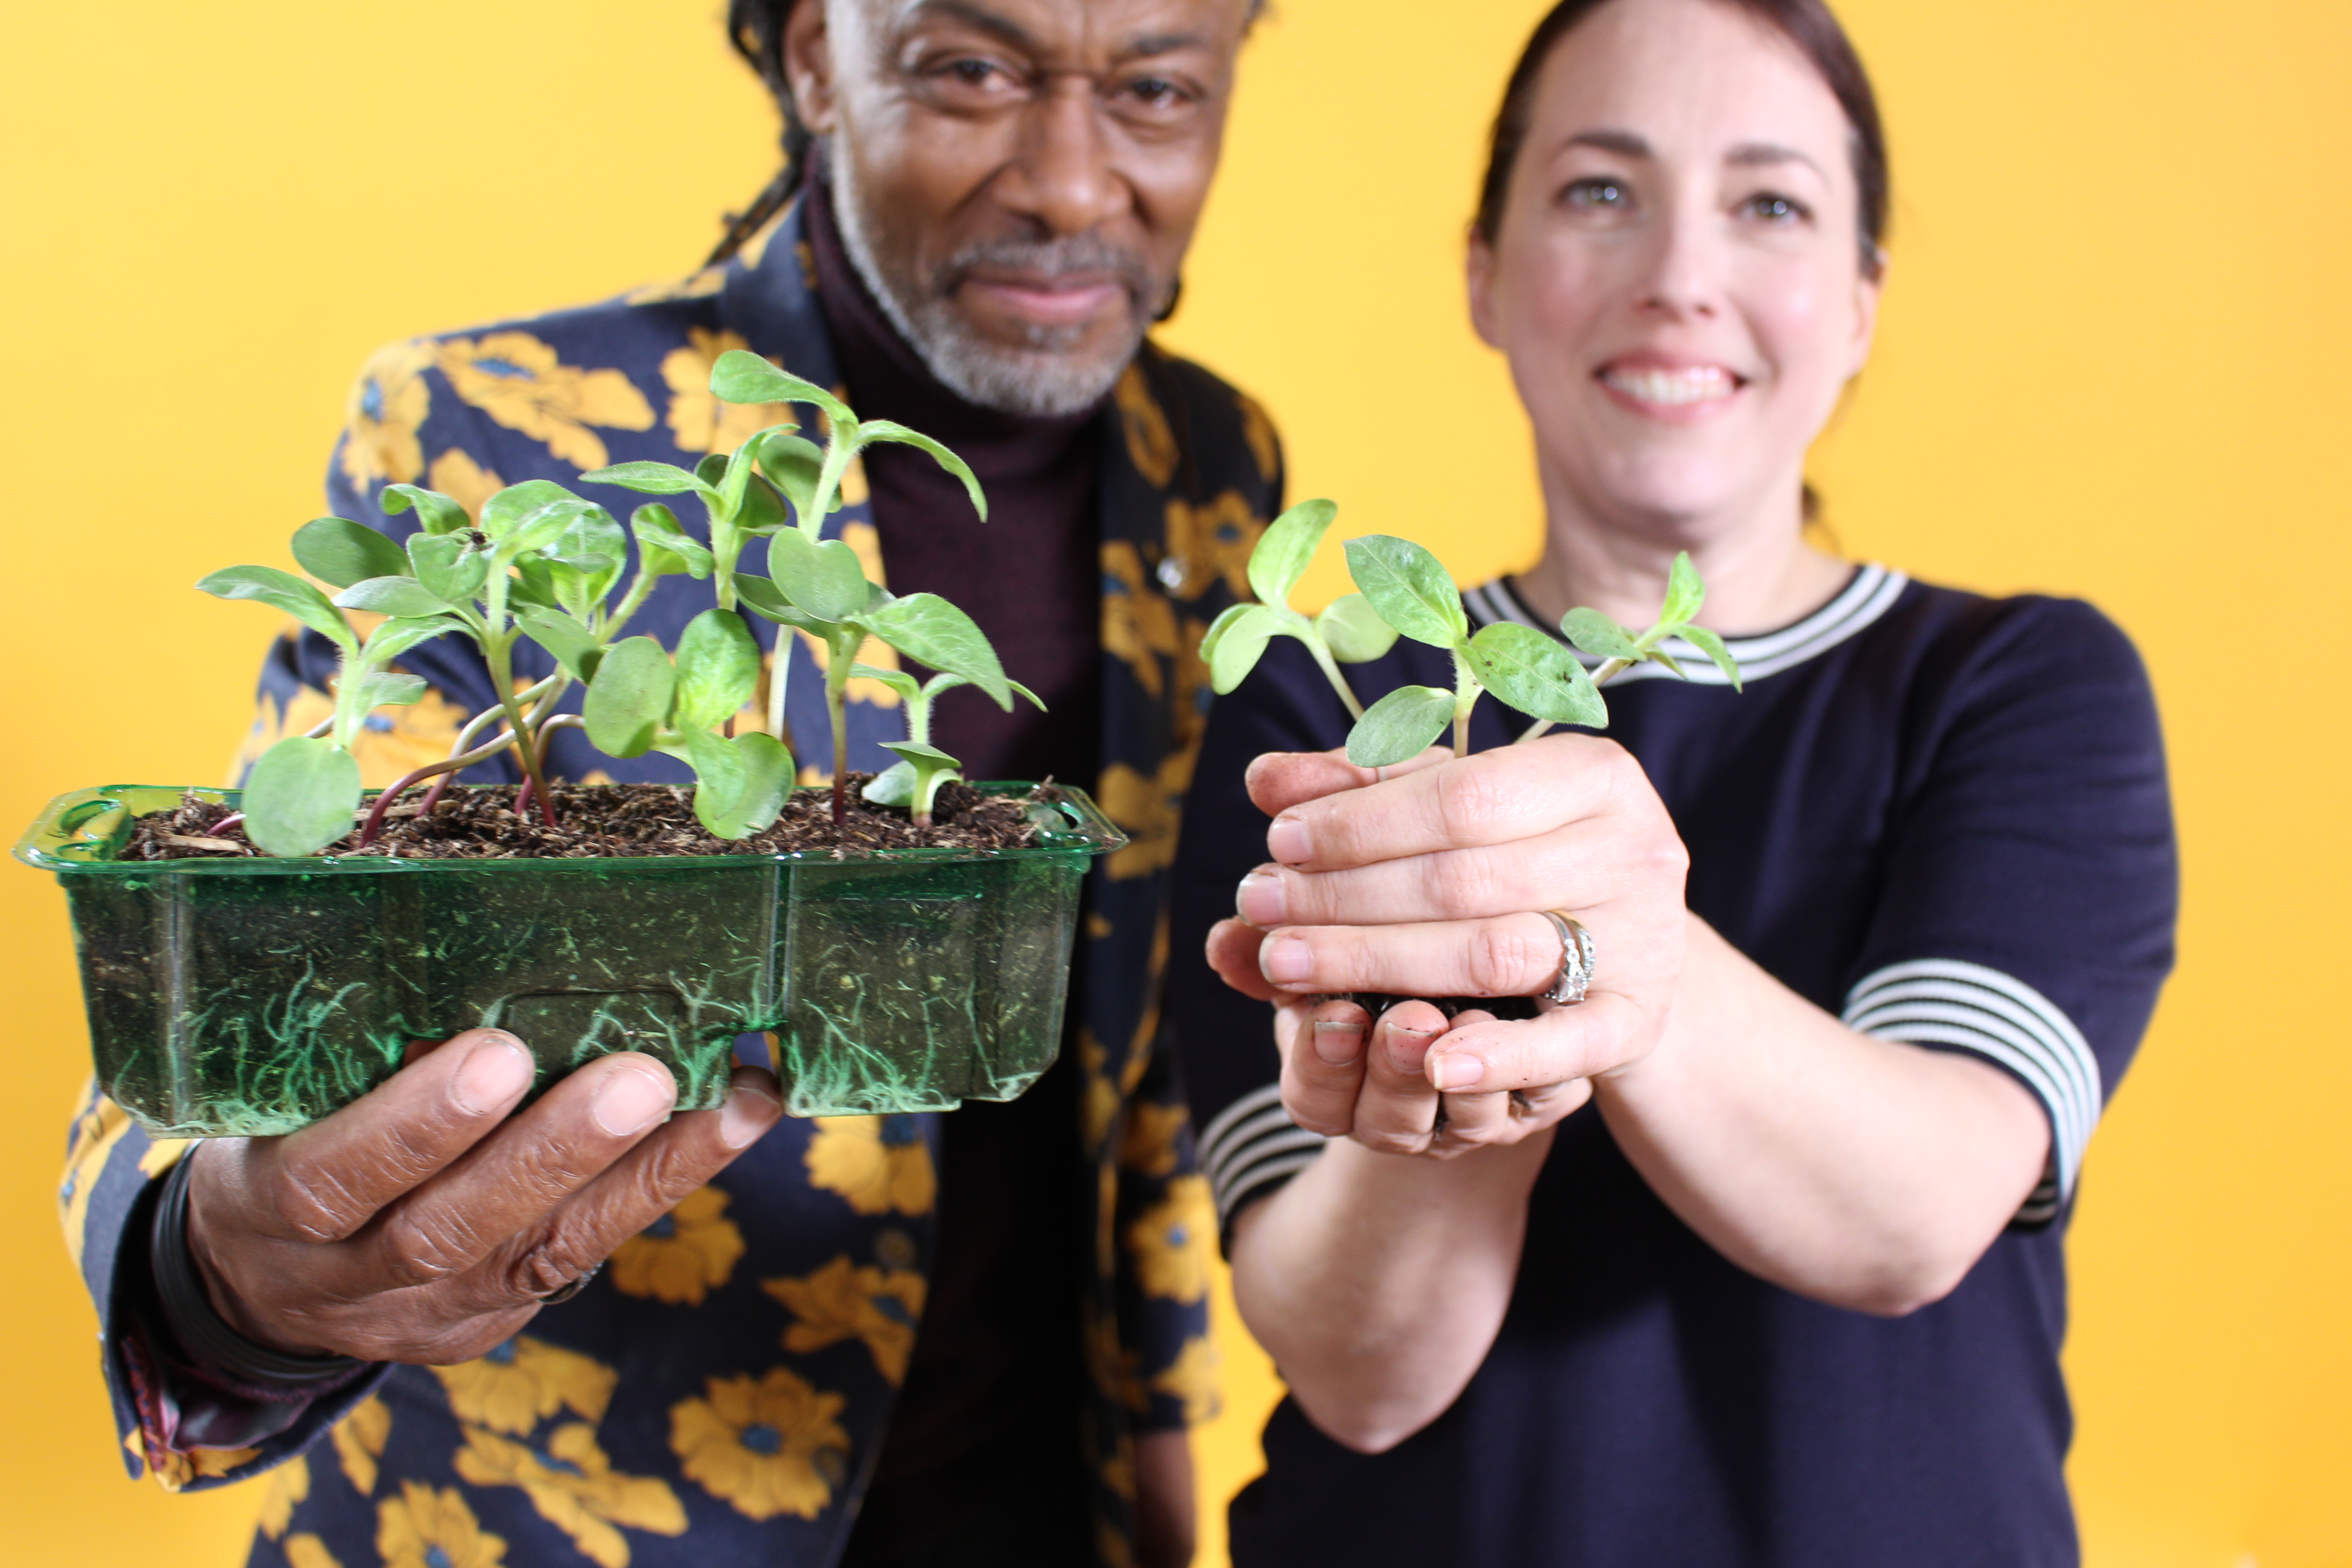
(1115,28)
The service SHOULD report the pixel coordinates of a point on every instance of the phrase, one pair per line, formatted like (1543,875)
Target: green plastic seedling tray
(246,997)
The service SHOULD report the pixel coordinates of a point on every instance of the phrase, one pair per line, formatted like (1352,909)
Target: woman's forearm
(1865,1173)
(1377,1281)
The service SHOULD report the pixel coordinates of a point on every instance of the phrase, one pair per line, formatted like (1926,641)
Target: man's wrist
(212,1343)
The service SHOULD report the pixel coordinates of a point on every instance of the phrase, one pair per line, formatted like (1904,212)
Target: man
(989,202)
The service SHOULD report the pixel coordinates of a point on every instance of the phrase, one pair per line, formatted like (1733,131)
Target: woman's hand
(1429,879)
(423,1223)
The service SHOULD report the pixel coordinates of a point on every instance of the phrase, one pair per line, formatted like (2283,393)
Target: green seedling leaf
(299,796)
(761,510)
(718,668)
(575,647)
(918,751)
(930,630)
(763,598)
(1399,726)
(645,478)
(670,549)
(1599,636)
(337,551)
(931,768)
(1707,643)
(1288,543)
(741,785)
(388,689)
(533,582)
(795,464)
(588,556)
(875,430)
(899,681)
(521,506)
(437,512)
(1684,592)
(1408,589)
(894,785)
(450,565)
(284,591)
(395,637)
(400,595)
(1533,673)
(824,581)
(1219,627)
(1240,647)
(743,376)
(629,699)
(1674,665)
(718,780)
(1353,630)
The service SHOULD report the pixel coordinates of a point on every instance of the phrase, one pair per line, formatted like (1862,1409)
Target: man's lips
(1667,390)
(1049,301)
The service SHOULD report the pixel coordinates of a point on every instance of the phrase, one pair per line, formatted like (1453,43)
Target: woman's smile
(1677,391)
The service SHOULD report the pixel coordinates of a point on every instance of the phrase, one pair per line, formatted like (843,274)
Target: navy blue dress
(1943,817)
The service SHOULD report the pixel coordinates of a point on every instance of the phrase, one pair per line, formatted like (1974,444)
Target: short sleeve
(2030,878)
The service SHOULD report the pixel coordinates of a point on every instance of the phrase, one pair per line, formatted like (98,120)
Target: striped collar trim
(1858,606)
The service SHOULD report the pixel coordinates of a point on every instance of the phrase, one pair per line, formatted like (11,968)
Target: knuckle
(1462,886)
(1501,960)
(1385,1141)
(312,1206)
(414,1251)
(1468,800)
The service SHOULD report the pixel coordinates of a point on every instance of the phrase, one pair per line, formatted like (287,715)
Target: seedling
(1402,590)
(543,563)
(914,780)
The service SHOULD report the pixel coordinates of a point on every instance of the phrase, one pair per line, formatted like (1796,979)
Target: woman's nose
(1684,265)
(1063,175)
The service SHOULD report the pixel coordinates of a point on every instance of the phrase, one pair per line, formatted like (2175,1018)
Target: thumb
(1280,780)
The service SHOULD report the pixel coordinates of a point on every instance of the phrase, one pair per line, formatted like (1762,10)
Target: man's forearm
(1865,1173)
(1377,1281)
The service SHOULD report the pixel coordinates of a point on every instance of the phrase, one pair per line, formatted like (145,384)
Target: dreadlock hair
(756,28)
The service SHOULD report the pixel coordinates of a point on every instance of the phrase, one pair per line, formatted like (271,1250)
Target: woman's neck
(1760,574)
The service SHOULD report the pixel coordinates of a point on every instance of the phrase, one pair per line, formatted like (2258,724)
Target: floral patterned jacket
(727,1377)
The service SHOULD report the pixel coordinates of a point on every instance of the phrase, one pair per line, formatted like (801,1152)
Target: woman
(1756,1254)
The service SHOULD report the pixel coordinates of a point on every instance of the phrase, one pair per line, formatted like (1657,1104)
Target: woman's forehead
(1687,80)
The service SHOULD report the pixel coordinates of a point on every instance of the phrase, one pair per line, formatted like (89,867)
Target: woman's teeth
(1673,389)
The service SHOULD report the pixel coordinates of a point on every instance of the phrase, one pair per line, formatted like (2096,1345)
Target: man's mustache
(1074,254)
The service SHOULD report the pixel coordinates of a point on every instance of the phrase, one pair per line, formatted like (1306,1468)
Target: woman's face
(1677,280)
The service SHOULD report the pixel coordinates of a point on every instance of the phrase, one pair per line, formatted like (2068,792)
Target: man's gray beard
(1046,378)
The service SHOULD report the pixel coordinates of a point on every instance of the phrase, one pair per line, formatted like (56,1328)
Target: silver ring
(562,1293)
(1577,955)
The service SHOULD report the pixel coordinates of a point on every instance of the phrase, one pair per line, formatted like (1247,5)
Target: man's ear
(1478,273)
(808,66)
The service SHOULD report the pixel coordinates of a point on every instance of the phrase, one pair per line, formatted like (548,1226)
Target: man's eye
(1595,195)
(1155,92)
(1776,209)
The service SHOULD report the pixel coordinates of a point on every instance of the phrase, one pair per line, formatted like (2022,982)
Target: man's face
(1019,179)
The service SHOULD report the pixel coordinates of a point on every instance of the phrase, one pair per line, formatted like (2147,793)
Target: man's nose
(1063,174)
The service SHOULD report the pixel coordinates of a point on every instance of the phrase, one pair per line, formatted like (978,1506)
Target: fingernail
(1289,842)
(629,1100)
(496,1070)
(1339,1045)
(1456,1070)
(748,1113)
(1263,900)
(1286,960)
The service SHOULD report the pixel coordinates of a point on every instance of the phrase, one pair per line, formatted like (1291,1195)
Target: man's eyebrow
(1761,155)
(1003,28)
(1161,44)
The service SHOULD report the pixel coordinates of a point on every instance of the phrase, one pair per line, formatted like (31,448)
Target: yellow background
(2111,366)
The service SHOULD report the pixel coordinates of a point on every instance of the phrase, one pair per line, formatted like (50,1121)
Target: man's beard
(1046,376)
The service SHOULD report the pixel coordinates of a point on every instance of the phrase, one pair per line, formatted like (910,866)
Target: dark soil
(479,823)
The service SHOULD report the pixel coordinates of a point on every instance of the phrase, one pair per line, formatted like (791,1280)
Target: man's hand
(1429,879)
(420,1225)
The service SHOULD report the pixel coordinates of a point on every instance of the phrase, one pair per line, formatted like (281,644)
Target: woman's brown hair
(1807,24)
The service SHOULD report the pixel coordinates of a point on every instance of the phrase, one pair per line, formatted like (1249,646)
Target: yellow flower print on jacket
(307,1551)
(388,404)
(358,1440)
(1191,1380)
(1171,1241)
(877,1164)
(455,475)
(575,1489)
(1146,809)
(391,743)
(517,381)
(176,1471)
(289,1485)
(525,1381)
(1211,540)
(681,1257)
(697,420)
(1137,625)
(96,1132)
(1150,442)
(842,1302)
(431,1527)
(769,1446)
(1148,1147)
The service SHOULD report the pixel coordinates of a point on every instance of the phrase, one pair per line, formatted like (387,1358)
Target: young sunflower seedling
(913,781)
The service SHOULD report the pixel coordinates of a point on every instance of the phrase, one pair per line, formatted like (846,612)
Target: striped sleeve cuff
(1951,1005)
(1251,1148)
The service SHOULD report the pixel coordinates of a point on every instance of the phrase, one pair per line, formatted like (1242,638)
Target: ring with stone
(1578,955)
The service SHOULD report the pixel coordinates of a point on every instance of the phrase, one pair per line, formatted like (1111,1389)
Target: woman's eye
(1595,195)
(1773,208)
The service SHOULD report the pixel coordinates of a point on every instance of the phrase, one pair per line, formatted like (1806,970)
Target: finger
(326,1181)
(1396,1113)
(1575,866)
(1493,797)
(1556,1047)
(1513,955)
(1469,1121)
(1280,780)
(1323,1068)
(513,1179)
(660,1172)
(1232,954)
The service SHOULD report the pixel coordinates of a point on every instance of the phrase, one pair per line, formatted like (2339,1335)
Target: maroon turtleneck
(1028,575)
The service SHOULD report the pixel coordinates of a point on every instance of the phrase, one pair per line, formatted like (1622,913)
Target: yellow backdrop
(2117,314)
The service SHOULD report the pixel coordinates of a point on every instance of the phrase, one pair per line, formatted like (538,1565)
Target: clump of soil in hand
(479,823)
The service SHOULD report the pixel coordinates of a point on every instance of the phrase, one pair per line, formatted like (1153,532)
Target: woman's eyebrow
(1625,144)
(1761,155)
